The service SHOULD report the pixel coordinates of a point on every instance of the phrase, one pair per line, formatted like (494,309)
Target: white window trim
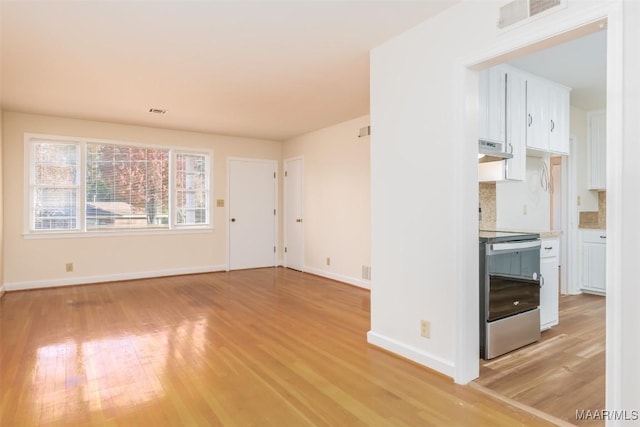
(81,230)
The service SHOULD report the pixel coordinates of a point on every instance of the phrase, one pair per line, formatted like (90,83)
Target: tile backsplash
(595,219)
(487,197)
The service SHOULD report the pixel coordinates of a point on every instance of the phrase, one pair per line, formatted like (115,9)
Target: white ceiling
(580,64)
(260,69)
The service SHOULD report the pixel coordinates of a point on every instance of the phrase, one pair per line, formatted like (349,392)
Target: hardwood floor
(254,347)
(563,372)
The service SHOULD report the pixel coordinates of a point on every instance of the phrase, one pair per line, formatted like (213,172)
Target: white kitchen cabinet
(558,119)
(492,104)
(549,264)
(597,150)
(502,118)
(516,129)
(537,104)
(547,116)
(593,251)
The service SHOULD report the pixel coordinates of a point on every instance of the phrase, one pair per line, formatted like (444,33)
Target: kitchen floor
(562,373)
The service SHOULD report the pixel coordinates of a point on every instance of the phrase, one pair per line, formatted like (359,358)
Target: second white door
(293,218)
(252,213)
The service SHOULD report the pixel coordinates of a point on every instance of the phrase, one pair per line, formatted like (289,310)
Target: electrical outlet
(69,267)
(425,329)
(328,261)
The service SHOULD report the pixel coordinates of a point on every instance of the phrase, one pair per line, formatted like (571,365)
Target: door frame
(284,209)
(570,274)
(466,354)
(228,207)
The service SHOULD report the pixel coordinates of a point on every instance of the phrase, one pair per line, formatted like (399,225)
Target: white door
(252,213)
(293,218)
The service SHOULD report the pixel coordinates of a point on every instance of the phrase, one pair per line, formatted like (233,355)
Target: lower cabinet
(593,249)
(549,263)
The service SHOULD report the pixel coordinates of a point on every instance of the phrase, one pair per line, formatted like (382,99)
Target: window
(55,189)
(125,187)
(192,187)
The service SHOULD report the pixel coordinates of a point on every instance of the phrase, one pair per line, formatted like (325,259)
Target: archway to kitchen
(587,26)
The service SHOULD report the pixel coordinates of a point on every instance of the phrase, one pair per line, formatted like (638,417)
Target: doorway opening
(522,374)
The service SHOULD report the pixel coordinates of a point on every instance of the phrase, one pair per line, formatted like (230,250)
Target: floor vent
(366,272)
(520,10)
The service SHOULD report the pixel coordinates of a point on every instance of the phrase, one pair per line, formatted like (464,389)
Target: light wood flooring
(564,371)
(265,347)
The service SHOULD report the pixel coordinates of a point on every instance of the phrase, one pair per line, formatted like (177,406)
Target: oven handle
(524,280)
(511,246)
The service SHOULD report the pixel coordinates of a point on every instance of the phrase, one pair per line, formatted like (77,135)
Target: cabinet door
(597,261)
(516,126)
(549,293)
(549,250)
(597,153)
(492,104)
(594,266)
(537,115)
(558,119)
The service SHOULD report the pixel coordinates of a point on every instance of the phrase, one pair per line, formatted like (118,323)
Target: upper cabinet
(547,116)
(597,152)
(523,112)
(502,118)
(492,104)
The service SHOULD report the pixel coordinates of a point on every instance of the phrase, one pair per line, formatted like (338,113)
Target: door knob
(233,220)
(299,220)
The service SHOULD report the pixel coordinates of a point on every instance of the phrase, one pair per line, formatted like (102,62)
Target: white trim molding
(361,283)
(86,280)
(412,353)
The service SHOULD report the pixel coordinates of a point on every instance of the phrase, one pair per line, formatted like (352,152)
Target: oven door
(509,296)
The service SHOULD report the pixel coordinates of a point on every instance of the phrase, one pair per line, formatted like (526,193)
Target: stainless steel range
(510,284)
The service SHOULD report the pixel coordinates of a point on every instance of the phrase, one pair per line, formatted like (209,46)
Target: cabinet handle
(548,248)
(511,148)
(530,119)
(553,125)
(603,237)
(541,281)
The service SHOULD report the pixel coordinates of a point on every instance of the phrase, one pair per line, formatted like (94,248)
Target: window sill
(119,233)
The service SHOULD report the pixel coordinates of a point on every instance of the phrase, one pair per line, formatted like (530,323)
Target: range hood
(491,151)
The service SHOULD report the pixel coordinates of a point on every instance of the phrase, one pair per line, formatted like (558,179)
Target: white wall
(418,105)
(336,199)
(525,205)
(623,211)
(413,158)
(40,262)
(1,207)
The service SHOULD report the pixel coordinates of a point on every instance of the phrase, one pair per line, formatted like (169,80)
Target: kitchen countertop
(549,234)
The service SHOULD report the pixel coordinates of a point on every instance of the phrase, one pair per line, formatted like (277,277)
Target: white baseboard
(38,284)
(417,355)
(366,284)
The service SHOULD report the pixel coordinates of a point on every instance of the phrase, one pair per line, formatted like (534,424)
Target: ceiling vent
(520,10)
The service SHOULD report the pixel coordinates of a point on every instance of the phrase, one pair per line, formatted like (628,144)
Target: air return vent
(365,131)
(520,10)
